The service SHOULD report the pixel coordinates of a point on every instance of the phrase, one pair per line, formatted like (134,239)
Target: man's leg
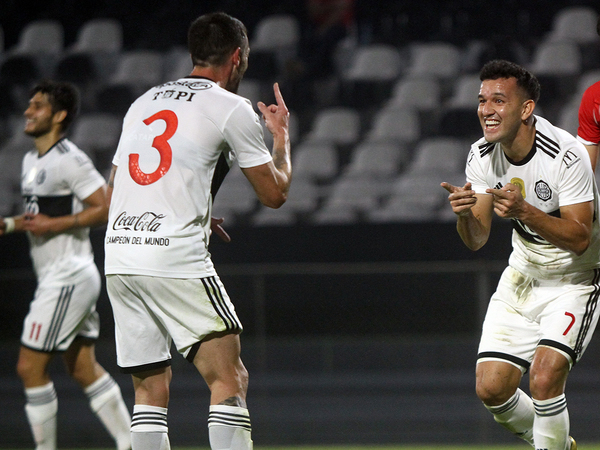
(104,394)
(149,422)
(549,372)
(498,389)
(41,403)
(218,361)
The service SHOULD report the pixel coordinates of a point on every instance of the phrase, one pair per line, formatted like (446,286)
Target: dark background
(359,333)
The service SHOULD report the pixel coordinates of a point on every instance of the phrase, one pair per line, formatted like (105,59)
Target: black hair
(215,36)
(500,68)
(62,97)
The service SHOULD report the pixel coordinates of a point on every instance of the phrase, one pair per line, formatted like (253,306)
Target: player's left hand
(215,226)
(508,201)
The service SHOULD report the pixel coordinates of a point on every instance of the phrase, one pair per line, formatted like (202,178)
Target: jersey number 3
(160,143)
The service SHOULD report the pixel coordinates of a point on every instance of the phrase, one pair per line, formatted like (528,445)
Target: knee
(545,384)
(24,369)
(152,388)
(493,394)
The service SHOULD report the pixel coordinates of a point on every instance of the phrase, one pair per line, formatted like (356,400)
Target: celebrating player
(178,141)
(64,196)
(544,311)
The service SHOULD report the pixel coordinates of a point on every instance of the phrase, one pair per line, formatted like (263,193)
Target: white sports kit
(546,296)
(158,234)
(64,305)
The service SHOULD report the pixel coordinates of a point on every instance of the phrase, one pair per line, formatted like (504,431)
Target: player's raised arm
(271,181)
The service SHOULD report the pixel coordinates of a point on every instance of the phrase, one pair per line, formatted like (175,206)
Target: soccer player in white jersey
(544,311)
(178,141)
(64,196)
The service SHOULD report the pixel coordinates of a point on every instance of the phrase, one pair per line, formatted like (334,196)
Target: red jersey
(589,116)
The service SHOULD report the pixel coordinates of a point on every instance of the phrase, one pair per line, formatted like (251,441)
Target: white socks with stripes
(545,422)
(149,429)
(41,409)
(229,428)
(551,424)
(516,415)
(107,403)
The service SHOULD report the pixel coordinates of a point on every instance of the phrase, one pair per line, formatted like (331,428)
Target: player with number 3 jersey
(177,143)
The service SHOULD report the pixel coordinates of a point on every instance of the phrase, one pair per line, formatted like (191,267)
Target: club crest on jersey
(520,184)
(543,191)
(41,176)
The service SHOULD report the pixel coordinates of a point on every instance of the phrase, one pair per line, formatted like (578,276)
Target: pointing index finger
(278,96)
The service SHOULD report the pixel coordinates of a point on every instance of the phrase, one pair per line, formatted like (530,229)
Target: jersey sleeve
(244,134)
(589,116)
(475,173)
(80,174)
(576,178)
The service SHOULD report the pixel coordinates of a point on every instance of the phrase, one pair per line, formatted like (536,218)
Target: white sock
(107,403)
(551,424)
(149,429)
(516,415)
(229,428)
(41,409)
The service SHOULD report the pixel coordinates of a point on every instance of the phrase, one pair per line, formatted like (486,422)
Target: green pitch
(582,446)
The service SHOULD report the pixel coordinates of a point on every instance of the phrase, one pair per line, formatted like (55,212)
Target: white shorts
(61,312)
(525,313)
(150,311)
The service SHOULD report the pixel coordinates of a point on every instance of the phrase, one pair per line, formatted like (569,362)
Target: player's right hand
(276,117)
(462,199)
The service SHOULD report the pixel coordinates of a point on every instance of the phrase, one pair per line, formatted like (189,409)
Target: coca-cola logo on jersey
(147,221)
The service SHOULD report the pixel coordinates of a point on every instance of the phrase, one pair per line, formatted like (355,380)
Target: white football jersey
(173,137)
(557,172)
(55,184)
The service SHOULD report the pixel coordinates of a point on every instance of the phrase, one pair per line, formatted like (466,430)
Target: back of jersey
(173,136)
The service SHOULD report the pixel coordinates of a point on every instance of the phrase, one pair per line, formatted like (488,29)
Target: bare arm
(571,231)
(271,181)
(593,151)
(473,214)
(95,214)
(111,184)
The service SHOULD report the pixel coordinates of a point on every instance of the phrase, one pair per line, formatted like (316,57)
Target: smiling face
(39,116)
(502,110)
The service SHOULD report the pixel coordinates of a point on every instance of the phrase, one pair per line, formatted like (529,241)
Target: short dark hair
(215,36)
(62,97)
(598,26)
(499,68)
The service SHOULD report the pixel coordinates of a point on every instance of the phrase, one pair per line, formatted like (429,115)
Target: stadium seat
(139,69)
(568,117)
(273,42)
(378,159)
(275,33)
(40,37)
(437,59)
(336,125)
(103,40)
(99,35)
(395,124)
(359,193)
(317,161)
(574,23)
(557,65)
(423,94)
(373,71)
(98,134)
(439,157)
